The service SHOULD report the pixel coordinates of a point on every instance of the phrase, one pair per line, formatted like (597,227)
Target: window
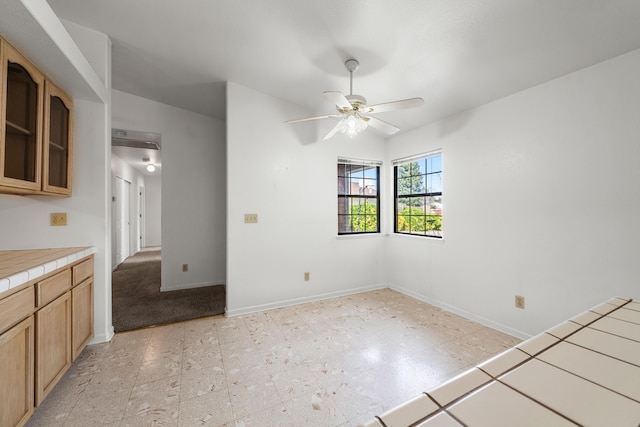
(358,196)
(418,195)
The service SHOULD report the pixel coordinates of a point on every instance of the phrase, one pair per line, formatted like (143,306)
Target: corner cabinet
(36,127)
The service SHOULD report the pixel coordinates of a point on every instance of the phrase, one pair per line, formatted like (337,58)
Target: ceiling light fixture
(352,125)
(150,166)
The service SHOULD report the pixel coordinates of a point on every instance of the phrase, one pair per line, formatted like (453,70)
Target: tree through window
(418,195)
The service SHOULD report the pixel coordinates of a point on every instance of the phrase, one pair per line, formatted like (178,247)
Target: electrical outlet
(59,218)
(185,267)
(306,276)
(250,218)
(519,301)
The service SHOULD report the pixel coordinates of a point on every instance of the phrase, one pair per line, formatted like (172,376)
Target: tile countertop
(585,371)
(22,266)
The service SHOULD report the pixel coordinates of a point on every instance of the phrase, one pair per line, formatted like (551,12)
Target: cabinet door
(53,341)
(16,374)
(20,123)
(82,315)
(57,137)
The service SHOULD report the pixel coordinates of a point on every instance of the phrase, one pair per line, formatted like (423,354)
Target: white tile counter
(21,266)
(585,371)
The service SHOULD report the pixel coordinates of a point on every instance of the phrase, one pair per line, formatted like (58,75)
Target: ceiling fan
(354,113)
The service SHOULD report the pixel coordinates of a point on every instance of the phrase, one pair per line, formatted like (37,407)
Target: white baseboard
(191,285)
(466,314)
(302,300)
(106,337)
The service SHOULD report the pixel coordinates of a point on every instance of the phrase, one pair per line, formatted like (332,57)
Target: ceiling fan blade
(381,125)
(339,99)
(395,105)
(307,119)
(333,131)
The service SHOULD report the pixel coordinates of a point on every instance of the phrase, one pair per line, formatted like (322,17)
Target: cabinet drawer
(16,307)
(50,288)
(82,271)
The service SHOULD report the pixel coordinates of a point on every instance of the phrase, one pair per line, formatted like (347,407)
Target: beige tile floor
(337,362)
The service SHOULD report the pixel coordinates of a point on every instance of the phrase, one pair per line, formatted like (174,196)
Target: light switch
(250,218)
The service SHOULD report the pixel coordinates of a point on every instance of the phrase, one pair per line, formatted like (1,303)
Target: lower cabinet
(16,373)
(43,328)
(81,316)
(53,344)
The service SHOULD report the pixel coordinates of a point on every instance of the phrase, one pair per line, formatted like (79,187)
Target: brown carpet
(138,302)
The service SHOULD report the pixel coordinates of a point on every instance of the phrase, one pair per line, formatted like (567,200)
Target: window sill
(358,236)
(411,236)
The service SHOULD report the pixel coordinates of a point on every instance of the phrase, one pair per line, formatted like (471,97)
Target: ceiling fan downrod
(351,65)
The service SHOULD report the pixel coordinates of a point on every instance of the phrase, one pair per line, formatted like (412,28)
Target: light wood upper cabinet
(57,149)
(36,128)
(20,123)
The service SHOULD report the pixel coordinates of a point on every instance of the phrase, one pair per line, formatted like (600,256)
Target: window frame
(426,194)
(346,195)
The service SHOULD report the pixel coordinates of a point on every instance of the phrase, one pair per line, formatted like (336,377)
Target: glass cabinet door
(57,141)
(21,122)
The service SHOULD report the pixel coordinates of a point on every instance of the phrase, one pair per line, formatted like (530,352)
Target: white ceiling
(456,54)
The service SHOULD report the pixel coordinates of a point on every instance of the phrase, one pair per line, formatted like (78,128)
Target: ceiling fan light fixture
(352,125)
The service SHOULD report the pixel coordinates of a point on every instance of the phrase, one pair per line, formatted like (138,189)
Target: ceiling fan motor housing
(356,102)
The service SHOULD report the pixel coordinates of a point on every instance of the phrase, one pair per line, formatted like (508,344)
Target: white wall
(193,188)
(153,210)
(25,219)
(540,199)
(286,175)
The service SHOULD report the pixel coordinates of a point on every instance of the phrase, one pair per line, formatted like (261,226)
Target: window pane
(371,172)
(402,222)
(355,171)
(371,207)
(404,186)
(434,183)
(342,170)
(421,167)
(370,187)
(343,224)
(357,223)
(417,184)
(433,223)
(355,186)
(343,185)
(418,222)
(371,223)
(343,206)
(434,164)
